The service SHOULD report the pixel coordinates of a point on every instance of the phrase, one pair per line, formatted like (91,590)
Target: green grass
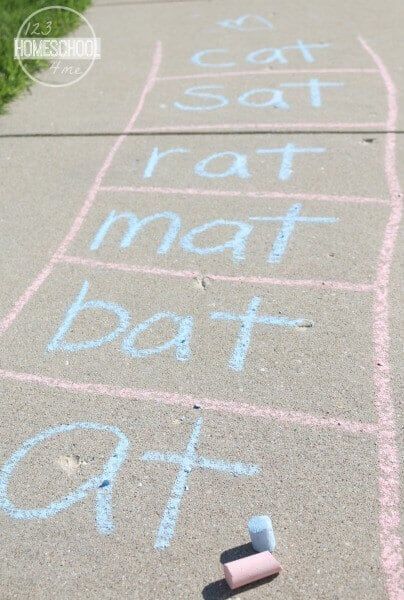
(13,80)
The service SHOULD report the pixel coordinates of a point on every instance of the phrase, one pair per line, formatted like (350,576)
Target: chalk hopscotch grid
(383,429)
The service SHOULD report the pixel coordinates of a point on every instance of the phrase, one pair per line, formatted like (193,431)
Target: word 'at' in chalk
(102,484)
(179,344)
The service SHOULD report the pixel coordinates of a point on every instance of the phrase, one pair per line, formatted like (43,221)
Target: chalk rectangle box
(317,462)
(345,250)
(349,165)
(340,336)
(230,103)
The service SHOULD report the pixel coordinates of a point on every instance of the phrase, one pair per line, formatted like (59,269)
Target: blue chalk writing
(274,55)
(265,56)
(236,244)
(156,157)
(288,152)
(198,59)
(58,341)
(315,86)
(103,490)
(287,228)
(135,225)
(181,341)
(276,100)
(246,23)
(305,49)
(199,92)
(187,462)
(247,322)
(238,167)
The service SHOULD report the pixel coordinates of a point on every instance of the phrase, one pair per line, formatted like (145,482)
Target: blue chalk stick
(261,533)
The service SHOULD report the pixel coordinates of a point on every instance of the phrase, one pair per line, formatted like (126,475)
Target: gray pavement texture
(145,212)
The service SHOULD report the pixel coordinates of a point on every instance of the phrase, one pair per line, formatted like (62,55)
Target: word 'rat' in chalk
(261,533)
(252,568)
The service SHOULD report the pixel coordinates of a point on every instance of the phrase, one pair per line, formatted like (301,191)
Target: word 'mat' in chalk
(101,484)
(264,97)
(261,533)
(252,568)
(211,57)
(180,343)
(246,23)
(235,245)
(187,462)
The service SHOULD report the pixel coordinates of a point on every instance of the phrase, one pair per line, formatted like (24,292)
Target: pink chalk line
(173,399)
(239,193)
(389,467)
(263,72)
(262,126)
(308,283)
(6,322)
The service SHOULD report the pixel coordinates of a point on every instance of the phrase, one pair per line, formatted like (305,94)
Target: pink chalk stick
(249,569)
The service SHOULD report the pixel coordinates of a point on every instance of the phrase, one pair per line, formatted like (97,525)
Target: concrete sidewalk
(202,253)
